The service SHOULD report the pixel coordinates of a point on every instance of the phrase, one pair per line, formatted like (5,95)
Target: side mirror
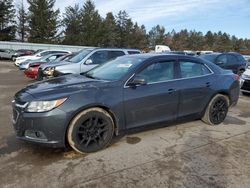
(88,61)
(137,81)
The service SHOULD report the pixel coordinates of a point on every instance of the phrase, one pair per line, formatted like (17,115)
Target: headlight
(44,106)
(49,71)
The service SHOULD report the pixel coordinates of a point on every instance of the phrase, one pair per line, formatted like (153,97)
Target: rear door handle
(208,84)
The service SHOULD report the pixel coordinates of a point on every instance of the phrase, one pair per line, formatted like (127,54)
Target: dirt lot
(192,154)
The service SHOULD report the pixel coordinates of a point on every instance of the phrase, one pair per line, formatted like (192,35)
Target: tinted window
(231,59)
(191,69)
(45,53)
(157,72)
(133,52)
(115,54)
(99,57)
(209,57)
(222,59)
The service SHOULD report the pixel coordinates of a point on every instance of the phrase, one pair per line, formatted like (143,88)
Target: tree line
(41,23)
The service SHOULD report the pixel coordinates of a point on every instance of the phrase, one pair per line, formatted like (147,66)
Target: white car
(245,81)
(38,55)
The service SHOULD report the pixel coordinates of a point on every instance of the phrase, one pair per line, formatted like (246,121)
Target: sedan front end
(40,121)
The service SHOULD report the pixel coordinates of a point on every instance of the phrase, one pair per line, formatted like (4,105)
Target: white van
(162,48)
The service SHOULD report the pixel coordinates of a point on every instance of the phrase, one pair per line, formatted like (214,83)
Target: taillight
(237,77)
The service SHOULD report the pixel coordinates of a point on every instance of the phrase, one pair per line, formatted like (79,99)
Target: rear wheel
(217,109)
(13,58)
(91,130)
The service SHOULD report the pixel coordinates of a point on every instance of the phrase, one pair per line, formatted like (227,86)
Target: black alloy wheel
(218,110)
(91,130)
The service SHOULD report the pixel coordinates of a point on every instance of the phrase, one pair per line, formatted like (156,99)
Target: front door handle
(171,91)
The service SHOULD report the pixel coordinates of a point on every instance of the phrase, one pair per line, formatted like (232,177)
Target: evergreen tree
(22,27)
(156,36)
(7,22)
(125,26)
(138,37)
(43,21)
(72,24)
(91,25)
(110,31)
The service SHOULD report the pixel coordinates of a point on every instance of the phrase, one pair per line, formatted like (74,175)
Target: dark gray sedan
(87,110)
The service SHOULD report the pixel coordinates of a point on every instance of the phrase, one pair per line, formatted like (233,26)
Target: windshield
(80,56)
(209,57)
(114,69)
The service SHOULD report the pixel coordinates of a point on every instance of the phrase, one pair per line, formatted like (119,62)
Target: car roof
(117,49)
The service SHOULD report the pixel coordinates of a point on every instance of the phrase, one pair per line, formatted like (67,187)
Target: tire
(13,58)
(216,110)
(245,93)
(91,130)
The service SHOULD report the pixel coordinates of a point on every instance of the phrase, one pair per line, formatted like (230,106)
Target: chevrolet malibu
(86,111)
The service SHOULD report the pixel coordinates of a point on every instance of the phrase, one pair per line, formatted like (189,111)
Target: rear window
(115,54)
(209,57)
(133,52)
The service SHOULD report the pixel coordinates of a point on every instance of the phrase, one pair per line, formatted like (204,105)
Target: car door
(97,58)
(194,83)
(156,101)
(233,63)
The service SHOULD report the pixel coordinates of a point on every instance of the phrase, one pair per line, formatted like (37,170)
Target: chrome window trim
(176,79)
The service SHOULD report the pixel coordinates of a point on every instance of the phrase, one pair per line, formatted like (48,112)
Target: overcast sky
(229,16)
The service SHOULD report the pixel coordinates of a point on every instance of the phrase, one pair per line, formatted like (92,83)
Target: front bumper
(48,128)
(245,85)
(31,72)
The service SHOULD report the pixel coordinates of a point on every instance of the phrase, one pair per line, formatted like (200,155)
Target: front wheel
(217,109)
(91,130)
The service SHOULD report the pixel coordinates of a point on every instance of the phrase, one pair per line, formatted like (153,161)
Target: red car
(32,71)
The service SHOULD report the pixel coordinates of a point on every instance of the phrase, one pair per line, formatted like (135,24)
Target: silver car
(83,61)
(8,54)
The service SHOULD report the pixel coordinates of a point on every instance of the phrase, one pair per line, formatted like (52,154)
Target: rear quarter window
(133,52)
(192,69)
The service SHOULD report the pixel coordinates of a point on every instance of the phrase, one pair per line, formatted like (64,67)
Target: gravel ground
(190,154)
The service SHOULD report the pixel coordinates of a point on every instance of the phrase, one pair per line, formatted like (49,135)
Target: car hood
(28,57)
(60,87)
(54,64)
(247,72)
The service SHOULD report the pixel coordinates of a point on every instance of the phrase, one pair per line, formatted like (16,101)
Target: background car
(38,55)
(32,70)
(245,82)
(8,54)
(24,52)
(88,59)
(228,60)
(45,59)
(128,92)
(47,74)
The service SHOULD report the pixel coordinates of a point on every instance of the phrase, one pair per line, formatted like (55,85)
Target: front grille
(246,85)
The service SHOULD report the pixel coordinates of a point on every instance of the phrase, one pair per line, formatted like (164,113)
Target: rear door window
(115,54)
(133,52)
(232,60)
(192,69)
